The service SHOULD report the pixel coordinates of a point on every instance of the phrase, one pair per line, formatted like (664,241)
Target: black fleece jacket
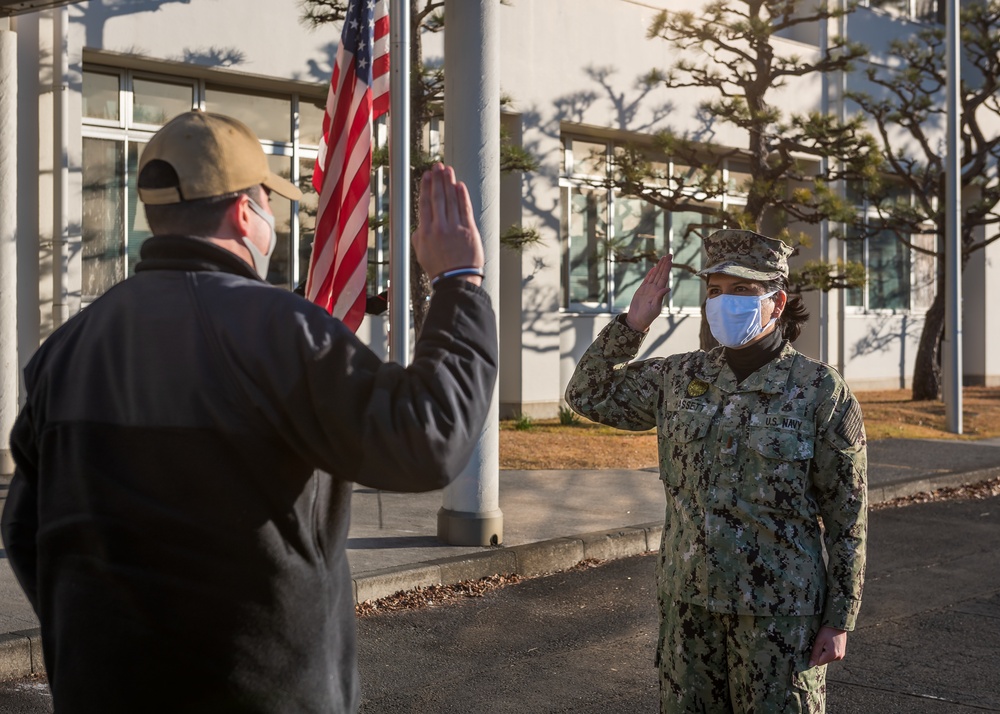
(166,519)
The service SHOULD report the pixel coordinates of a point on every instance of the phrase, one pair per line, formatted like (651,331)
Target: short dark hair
(200,218)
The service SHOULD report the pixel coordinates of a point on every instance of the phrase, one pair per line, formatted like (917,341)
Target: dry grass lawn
(546,444)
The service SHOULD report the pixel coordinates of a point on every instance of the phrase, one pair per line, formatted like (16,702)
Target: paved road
(582,641)
(25,697)
(927,641)
(929,632)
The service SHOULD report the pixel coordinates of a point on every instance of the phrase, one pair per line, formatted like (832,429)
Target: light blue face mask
(735,319)
(261,260)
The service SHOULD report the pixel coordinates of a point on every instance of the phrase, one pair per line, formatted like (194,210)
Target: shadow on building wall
(95,15)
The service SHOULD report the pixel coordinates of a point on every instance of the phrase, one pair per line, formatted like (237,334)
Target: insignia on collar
(696,388)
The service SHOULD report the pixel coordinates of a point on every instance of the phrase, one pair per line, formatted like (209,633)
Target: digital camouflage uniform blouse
(748,470)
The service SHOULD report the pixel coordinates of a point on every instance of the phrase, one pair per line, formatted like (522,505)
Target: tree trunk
(927,368)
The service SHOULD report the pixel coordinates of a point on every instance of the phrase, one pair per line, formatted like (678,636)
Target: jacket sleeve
(20,514)
(840,479)
(376,423)
(608,388)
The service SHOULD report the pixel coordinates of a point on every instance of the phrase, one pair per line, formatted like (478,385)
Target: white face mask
(735,319)
(261,260)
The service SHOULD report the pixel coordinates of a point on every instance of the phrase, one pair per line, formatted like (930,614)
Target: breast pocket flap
(688,426)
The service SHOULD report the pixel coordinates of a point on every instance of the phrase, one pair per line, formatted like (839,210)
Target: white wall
(981,316)
(880,349)
(55,167)
(28,185)
(991,322)
(265,39)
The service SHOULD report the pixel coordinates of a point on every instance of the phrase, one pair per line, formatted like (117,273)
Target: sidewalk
(552,521)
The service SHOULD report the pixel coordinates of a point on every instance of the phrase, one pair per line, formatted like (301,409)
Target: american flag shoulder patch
(852,426)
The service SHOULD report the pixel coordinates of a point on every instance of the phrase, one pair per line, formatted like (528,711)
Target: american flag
(359,94)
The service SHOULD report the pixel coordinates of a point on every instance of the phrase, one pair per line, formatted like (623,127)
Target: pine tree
(738,61)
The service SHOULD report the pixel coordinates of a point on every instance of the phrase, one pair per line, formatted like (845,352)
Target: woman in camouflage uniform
(763,459)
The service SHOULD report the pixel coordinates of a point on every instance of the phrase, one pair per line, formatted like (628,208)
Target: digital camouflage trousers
(713,663)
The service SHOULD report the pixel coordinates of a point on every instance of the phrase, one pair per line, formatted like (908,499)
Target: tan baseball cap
(746,254)
(213,155)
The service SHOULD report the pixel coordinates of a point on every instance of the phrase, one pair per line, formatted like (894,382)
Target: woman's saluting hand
(648,299)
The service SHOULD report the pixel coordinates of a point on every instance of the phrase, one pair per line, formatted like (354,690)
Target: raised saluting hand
(648,299)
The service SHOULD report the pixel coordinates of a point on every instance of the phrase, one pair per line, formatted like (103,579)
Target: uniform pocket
(808,690)
(684,427)
(778,472)
(682,446)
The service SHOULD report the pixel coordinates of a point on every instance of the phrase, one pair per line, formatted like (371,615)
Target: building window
(104,216)
(612,240)
(923,272)
(898,278)
(925,10)
(122,109)
(887,271)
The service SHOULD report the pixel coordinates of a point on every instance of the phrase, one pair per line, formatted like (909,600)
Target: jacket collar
(772,378)
(170,252)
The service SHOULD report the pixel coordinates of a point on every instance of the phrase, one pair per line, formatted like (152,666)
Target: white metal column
(952,357)
(61,248)
(399,182)
(8,241)
(471,512)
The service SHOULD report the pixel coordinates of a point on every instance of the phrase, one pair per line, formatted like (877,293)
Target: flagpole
(399,181)
(953,229)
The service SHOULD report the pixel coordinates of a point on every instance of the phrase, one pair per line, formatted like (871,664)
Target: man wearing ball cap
(759,445)
(167,518)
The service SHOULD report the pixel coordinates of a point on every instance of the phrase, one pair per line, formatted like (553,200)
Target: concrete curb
(902,489)
(529,559)
(546,557)
(21,652)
